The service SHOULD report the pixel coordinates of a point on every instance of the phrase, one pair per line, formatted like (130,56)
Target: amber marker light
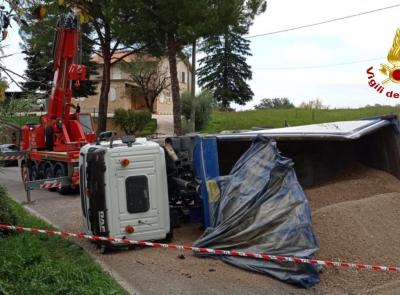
(124,162)
(129,229)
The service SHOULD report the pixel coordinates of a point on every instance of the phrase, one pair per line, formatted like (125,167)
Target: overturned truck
(245,188)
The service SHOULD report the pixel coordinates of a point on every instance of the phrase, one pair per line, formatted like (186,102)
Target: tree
(313,104)
(274,103)
(224,70)
(150,77)
(203,104)
(167,26)
(100,16)
(38,43)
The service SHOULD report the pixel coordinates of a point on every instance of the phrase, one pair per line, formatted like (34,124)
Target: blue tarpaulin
(259,207)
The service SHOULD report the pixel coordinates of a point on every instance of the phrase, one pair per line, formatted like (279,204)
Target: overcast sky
(351,40)
(359,38)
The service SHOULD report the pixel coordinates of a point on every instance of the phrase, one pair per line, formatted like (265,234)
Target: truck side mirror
(106,135)
(129,139)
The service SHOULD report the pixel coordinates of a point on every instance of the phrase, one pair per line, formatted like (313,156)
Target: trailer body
(190,163)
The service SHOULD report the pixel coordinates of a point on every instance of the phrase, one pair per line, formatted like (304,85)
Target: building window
(183,78)
(137,194)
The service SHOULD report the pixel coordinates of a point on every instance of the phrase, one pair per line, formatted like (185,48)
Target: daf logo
(102,223)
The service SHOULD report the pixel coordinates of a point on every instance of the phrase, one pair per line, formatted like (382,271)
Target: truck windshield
(86,123)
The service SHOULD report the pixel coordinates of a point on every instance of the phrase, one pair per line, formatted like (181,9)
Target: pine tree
(224,70)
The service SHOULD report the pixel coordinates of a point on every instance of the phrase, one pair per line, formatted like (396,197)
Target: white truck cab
(124,190)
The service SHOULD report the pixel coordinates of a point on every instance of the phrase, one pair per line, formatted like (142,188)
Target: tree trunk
(173,47)
(225,100)
(193,88)
(104,90)
(152,102)
(105,82)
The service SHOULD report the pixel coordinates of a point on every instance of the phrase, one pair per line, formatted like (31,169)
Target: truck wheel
(60,172)
(35,172)
(49,173)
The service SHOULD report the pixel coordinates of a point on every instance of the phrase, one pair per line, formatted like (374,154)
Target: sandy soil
(355,183)
(356,219)
(365,231)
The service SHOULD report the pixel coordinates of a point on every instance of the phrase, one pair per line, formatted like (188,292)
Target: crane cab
(124,191)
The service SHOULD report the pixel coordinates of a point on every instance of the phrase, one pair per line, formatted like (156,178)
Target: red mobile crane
(52,146)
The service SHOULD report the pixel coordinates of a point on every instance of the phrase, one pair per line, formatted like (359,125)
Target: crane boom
(65,69)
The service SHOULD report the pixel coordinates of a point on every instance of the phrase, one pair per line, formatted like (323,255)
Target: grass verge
(272,118)
(40,264)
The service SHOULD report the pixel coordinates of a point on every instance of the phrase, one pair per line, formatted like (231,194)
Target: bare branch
(115,47)
(99,33)
(9,73)
(128,53)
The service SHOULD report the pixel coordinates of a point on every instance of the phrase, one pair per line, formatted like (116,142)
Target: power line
(318,66)
(323,22)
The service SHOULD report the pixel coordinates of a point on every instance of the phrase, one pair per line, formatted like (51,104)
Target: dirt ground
(364,231)
(355,218)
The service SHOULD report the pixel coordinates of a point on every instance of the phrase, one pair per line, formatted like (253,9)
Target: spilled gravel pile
(356,219)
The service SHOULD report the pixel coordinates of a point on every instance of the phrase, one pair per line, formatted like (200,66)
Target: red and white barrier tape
(50,185)
(7,158)
(327,263)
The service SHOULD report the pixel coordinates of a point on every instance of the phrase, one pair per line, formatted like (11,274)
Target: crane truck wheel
(61,171)
(49,173)
(34,172)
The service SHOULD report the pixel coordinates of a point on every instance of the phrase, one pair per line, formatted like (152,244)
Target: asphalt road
(149,270)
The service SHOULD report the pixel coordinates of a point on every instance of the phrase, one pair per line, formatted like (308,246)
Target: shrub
(150,128)
(203,106)
(131,121)
(274,103)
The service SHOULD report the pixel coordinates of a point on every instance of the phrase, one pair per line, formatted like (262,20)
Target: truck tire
(49,137)
(34,172)
(60,171)
(49,173)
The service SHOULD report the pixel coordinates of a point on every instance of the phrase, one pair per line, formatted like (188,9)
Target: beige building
(125,94)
